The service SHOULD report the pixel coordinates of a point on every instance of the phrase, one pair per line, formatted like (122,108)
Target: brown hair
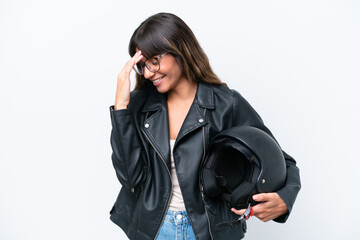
(166,32)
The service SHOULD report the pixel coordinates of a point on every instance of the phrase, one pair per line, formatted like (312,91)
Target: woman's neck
(184,92)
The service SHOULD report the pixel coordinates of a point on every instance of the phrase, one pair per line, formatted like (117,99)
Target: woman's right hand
(122,97)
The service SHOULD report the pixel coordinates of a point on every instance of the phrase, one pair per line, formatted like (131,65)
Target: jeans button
(179,216)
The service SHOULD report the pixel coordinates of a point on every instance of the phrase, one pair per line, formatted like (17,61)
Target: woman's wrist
(119,107)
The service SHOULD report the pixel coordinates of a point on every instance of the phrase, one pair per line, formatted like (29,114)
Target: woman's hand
(122,97)
(271,207)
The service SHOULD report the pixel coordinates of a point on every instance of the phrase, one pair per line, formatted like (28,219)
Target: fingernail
(255,197)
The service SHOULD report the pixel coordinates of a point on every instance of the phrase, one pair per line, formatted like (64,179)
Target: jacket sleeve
(127,154)
(245,115)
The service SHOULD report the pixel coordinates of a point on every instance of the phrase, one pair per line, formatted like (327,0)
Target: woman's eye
(154,61)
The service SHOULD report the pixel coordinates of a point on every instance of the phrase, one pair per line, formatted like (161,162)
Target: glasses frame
(147,66)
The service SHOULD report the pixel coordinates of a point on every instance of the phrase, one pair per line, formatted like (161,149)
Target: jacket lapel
(156,126)
(195,118)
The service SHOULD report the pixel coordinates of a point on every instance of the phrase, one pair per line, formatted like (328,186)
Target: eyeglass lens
(152,64)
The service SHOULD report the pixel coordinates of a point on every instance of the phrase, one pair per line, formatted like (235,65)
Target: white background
(296,62)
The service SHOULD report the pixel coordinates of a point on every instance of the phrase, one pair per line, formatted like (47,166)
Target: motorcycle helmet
(242,161)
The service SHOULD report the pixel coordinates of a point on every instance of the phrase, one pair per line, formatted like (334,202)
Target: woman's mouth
(158,81)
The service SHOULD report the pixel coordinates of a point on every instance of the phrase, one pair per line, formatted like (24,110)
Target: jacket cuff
(283,218)
(118,112)
(289,192)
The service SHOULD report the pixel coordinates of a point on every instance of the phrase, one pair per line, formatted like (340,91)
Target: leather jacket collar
(204,97)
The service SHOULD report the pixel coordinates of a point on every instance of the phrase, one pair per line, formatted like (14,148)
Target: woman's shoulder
(141,93)
(139,97)
(223,91)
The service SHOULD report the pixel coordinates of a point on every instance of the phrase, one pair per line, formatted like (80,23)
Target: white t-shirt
(176,201)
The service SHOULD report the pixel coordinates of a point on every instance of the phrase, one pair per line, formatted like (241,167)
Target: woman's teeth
(158,80)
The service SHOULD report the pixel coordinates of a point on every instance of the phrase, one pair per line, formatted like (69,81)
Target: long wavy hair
(166,32)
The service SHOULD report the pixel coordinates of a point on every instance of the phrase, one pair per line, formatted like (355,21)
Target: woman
(161,133)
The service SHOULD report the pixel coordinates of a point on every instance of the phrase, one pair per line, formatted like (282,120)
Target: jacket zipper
(168,203)
(201,187)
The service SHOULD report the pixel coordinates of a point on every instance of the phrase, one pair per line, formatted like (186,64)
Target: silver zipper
(168,203)
(201,187)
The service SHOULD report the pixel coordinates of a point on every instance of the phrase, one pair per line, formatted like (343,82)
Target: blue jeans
(176,226)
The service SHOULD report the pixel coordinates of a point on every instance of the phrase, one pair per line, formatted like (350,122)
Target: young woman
(161,133)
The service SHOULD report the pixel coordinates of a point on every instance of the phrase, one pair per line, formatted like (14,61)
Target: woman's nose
(147,73)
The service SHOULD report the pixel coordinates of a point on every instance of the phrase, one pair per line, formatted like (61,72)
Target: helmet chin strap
(232,224)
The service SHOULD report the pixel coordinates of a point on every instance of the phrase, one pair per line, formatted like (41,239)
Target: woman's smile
(158,81)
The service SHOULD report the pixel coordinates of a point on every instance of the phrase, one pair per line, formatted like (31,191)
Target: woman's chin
(161,89)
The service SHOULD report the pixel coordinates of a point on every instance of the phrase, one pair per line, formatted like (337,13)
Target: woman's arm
(127,156)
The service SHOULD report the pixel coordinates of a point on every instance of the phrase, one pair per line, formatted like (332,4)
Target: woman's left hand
(271,207)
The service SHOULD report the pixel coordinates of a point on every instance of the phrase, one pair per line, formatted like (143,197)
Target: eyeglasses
(152,64)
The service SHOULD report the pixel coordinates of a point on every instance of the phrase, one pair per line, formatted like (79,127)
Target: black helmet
(241,162)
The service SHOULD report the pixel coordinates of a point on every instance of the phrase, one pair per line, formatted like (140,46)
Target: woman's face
(169,77)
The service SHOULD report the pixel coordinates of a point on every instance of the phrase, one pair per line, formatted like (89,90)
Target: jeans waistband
(176,217)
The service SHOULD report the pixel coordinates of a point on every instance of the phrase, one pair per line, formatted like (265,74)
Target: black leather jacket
(141,158)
